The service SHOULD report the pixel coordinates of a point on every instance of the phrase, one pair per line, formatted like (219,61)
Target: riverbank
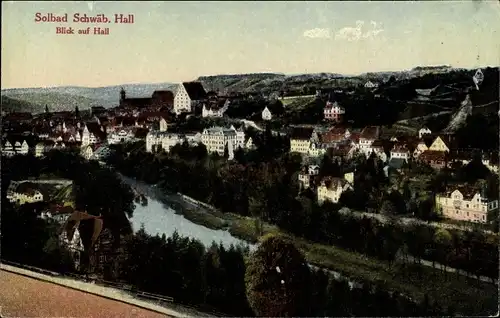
(466,295)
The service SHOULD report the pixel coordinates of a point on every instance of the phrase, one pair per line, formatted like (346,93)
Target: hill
(16,105)
(67,97)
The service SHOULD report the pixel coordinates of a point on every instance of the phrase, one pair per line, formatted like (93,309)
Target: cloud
(317,33)
(359,31)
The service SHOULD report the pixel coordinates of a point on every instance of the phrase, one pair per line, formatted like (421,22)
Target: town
(415,179)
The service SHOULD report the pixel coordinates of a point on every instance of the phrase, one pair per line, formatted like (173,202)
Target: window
(484,217)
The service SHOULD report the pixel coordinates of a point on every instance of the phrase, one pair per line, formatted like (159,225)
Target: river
(158,217)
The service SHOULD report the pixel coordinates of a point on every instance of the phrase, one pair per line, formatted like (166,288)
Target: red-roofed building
(333,112)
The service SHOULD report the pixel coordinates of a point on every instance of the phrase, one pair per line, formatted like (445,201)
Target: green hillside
(15,105)
(35,102)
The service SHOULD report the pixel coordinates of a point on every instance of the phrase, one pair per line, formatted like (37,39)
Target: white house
(240,137)
(330,189)
(400,152)
(266,114)
(216,139)
(93,134)
(424,131)
(120,136)
(371,84)
(421,147)
(170,140)
(163,124)
(188,96)
(216,109)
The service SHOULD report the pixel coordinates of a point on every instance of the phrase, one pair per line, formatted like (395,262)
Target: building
(424,131)
(439,145)
(188,97)
(93,134)
(25,192)
(120,136)
(306,176)
(266,114)
(370,85)
(43,147)
(216,139)
(435,159)
(465,203)
(300,139)
(17,147)
(158,140)
(330,189)
(400,151)
(368,135)
(333,112)
(215,108)
(160,98)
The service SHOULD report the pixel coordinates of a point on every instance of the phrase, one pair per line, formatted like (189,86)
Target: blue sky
(179,41)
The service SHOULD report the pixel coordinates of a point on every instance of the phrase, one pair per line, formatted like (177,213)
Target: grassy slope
(16,105)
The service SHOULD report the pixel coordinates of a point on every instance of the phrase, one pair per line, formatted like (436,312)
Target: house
(272,110)
(249,143)
(378,149)
(370,85)
(300,139)
(333,112)
(419,149)
(92,134)
(43,147)
(216,139)
(330,189)
(342,152)
(157,140)
(121,136)
(400,151)
(215,108)
(439,143)
(170,140)
(26,192)
(368,135)
(266,114)
(434,158)
(240,136)
(465,203)
(15,147)
(188,97)
(160,98)
(73,243)
(306,175)
(424,131)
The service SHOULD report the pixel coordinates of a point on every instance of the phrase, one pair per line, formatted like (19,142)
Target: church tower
(122,96)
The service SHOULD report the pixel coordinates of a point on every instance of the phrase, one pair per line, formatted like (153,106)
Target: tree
(388,208)
(46,108)
(226,152)
(277,279)
(77,112)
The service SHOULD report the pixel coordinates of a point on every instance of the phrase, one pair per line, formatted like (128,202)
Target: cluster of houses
(437,150)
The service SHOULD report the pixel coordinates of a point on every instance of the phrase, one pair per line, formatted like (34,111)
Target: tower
(122,95)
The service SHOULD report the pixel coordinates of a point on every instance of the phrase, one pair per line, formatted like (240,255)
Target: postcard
(249,159)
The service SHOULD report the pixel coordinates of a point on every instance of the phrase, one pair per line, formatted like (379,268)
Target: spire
(122,94)
(46,108)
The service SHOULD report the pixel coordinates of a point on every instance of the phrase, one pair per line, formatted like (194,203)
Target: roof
(163,96)
(433,155)
(28,188)
(18,116)
(95,129)
(195,90)
(137,102)
(301,133)
(370,132)
(333,183)
(467,190)
(340,151)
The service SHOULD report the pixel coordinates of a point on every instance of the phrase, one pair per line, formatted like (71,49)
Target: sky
(180,41)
